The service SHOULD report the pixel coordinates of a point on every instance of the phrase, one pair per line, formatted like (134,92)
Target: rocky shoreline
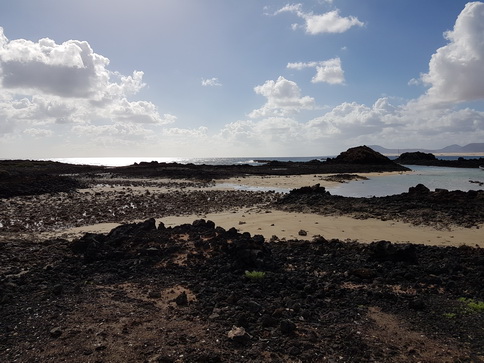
(418,206)
(146,292)
(24,177)
(429,159)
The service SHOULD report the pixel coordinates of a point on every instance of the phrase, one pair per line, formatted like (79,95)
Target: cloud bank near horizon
(67,93)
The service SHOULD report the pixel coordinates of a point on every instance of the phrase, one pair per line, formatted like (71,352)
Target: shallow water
(432,177)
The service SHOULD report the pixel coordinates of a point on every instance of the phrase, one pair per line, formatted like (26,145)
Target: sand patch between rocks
(288,225)
(392,333)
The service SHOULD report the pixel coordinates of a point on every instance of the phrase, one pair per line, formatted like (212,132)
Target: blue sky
(238,78)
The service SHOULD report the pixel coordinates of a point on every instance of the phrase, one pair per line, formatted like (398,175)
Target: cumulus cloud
(269,136)
(211,82)
(329,22)
(114,129)
(352,123)
(387,124)
(329,71)
(279,129)
(139,112)
(455,70)
(353,119)
(47,83)
(38,132)
(120,136)
(70,69)
(283,98)
(186,133)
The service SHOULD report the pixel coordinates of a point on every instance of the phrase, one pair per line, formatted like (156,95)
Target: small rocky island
(429,159)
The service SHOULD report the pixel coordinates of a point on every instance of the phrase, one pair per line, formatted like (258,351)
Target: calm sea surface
(431,177)
(123,161)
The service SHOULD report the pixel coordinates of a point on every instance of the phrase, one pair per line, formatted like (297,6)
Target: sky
(227,78)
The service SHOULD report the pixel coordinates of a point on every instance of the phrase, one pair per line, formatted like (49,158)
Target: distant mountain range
(451,149)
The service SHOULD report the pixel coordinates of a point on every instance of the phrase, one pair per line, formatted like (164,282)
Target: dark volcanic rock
(20,177)
(358,159)
(27,184)
(440,208)
(182,299)
(428,159)
(26,177)
(411,157)
(326,300)
(130,230)
(361,155)
(419,189)
(387,251)
(316,189)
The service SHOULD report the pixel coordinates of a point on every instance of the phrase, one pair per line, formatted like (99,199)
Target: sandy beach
(284,225)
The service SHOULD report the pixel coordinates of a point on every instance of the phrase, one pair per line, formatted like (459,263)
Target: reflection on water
(378,186)
(431,176)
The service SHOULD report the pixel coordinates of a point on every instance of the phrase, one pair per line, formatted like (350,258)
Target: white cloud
(283,98)
(351,123)
(280,129)
(329,71)
(329,22)
(70,69)
(351,119)
(46,83)
(277,136)
(138,112)
(389,125)
(119,136)
(211,82)
(456,69)
(38,132)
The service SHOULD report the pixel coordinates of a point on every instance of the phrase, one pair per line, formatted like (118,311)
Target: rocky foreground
(199,293)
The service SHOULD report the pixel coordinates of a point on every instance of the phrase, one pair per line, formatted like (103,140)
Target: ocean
(123,161)
(432,177)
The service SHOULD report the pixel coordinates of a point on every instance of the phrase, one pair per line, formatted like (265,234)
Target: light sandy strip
(286,225)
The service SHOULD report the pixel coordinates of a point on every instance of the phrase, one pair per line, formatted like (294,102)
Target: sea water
(124,161)
(431,176)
